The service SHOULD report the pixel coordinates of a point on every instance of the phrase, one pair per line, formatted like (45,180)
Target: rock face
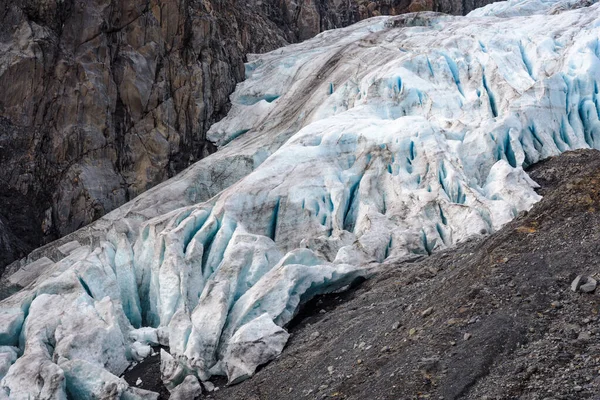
(101,100)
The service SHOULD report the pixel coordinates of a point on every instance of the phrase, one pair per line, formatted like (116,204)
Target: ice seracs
(391,138)
(520,8)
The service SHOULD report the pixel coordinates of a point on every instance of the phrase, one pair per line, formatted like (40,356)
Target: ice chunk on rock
(189,389)
(255,343)
(140,351)
(133,393)
(171,371)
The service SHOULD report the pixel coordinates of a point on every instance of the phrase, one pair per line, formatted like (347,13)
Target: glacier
(390,139)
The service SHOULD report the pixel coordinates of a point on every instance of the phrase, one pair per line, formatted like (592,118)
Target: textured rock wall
(304,19)
(102,99)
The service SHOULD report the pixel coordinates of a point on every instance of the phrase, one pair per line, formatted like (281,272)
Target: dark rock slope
(491,319)
(102,99)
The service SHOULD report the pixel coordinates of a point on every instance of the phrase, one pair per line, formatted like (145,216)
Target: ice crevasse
(395,137)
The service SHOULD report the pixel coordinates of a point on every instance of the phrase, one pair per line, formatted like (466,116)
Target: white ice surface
(514,8)
(395,137)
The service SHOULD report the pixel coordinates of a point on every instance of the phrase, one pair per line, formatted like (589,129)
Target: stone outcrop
(102,99)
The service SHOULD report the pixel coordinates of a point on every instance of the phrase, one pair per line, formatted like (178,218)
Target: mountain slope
(390,139)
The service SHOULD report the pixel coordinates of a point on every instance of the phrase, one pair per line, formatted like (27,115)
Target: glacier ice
(395,137)
(520,8)
(89,381)
(189,389)
(8,355)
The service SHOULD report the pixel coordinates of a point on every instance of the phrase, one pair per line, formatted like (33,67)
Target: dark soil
(148,372)
(493,318)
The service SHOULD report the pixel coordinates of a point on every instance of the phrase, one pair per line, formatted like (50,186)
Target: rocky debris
(534,338)
(577,282)
(427,312)
(583,284)
(100,101)
(147,373)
